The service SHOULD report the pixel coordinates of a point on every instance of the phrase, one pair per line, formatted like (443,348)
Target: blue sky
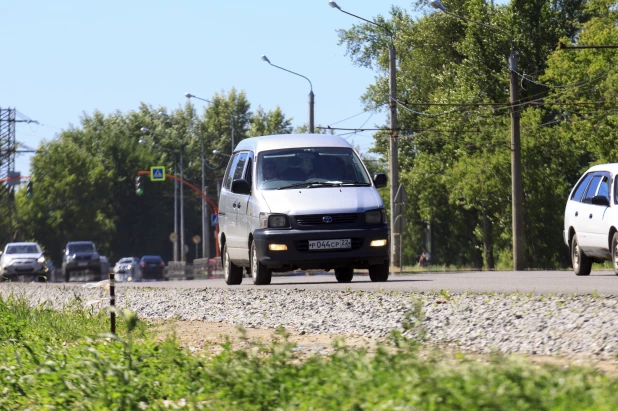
(64,58)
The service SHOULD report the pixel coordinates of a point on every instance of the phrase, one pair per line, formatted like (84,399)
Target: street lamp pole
(517,193)
(393,158)
(311,95)
(205,216)
(182,203)
(175,243)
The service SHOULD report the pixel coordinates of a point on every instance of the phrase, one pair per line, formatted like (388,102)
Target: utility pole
(516,178)
(393,158)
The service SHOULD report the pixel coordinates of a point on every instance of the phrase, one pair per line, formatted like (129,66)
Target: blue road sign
(157,173)
(214,220)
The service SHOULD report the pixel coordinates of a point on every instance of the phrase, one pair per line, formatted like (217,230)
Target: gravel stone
(478,322)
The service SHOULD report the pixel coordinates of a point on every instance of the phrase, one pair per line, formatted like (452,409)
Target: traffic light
(139,188)
(29,190)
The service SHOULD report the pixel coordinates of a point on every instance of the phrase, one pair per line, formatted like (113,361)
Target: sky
(62,59)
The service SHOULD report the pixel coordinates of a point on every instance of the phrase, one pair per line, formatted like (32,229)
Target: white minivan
(303,201)
(591,219)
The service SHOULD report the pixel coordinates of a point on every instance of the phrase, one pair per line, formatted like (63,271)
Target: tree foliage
(85,178)
(454,118)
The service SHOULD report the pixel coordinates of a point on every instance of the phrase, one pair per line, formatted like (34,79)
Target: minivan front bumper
(298,255)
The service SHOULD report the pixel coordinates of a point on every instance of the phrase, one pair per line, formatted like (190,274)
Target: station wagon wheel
(344,274)
(261,274)
(231,272)
(615,252)
(582,265)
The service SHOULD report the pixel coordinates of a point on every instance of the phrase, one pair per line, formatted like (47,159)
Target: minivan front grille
(303,246)
(326,219)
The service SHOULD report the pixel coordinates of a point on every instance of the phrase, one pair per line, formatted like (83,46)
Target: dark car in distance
(152,267)
(81,256)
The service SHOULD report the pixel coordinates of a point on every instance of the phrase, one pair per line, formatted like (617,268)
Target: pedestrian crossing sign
(157,173)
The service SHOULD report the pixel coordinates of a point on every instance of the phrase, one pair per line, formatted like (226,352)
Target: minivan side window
(249,171)
(229,173)
(240,166)
(579,191)
(592,189)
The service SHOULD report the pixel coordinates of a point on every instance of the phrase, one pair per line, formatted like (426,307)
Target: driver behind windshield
(269,170)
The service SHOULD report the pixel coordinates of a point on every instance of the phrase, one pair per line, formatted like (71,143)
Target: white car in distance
(19,259)
(127,269)
(591,219)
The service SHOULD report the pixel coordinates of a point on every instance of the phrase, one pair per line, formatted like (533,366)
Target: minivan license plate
(329,244)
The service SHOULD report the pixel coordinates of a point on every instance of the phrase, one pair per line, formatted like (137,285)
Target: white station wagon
(591,219)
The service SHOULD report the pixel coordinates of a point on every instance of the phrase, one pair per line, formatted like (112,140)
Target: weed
(47,361)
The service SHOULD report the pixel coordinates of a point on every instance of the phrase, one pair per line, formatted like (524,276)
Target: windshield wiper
(355,184)
(311,184)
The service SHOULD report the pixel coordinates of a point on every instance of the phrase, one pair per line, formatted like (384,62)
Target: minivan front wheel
(582,265)
(261,274)
(379,273)
(344,274)
(231,272)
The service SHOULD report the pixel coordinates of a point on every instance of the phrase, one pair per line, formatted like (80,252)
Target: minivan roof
(283,141)
(611,167)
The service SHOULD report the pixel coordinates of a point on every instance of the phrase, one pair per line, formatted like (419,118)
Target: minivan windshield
(310,167)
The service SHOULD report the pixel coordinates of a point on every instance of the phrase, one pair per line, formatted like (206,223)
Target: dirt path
(199,336)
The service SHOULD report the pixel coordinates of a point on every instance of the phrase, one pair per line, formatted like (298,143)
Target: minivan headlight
(41,260)
(274,221)
(374,217)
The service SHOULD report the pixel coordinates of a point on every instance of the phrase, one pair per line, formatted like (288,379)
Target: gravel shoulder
(557,326)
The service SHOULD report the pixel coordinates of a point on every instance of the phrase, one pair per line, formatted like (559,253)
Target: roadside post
(112,302)
(196,240)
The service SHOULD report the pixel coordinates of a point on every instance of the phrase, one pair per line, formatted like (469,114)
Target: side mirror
(379,180)
(600,200)
(241,186)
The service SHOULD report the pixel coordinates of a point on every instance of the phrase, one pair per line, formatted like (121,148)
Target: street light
(205,217)
(393,159)
(516,178)
(219,153)
(311,95)
(182,213)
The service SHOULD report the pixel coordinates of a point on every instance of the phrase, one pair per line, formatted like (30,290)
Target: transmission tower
(7,147)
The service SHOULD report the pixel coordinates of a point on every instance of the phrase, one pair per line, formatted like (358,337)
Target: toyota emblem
(327,219)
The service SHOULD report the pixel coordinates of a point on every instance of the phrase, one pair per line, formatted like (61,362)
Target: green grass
(56,360)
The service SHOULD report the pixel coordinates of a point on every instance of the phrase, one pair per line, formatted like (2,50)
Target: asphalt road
(539,282)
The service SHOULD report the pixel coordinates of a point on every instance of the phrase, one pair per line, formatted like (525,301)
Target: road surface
(539,282)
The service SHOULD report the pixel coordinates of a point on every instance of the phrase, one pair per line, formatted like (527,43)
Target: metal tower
(7,147)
